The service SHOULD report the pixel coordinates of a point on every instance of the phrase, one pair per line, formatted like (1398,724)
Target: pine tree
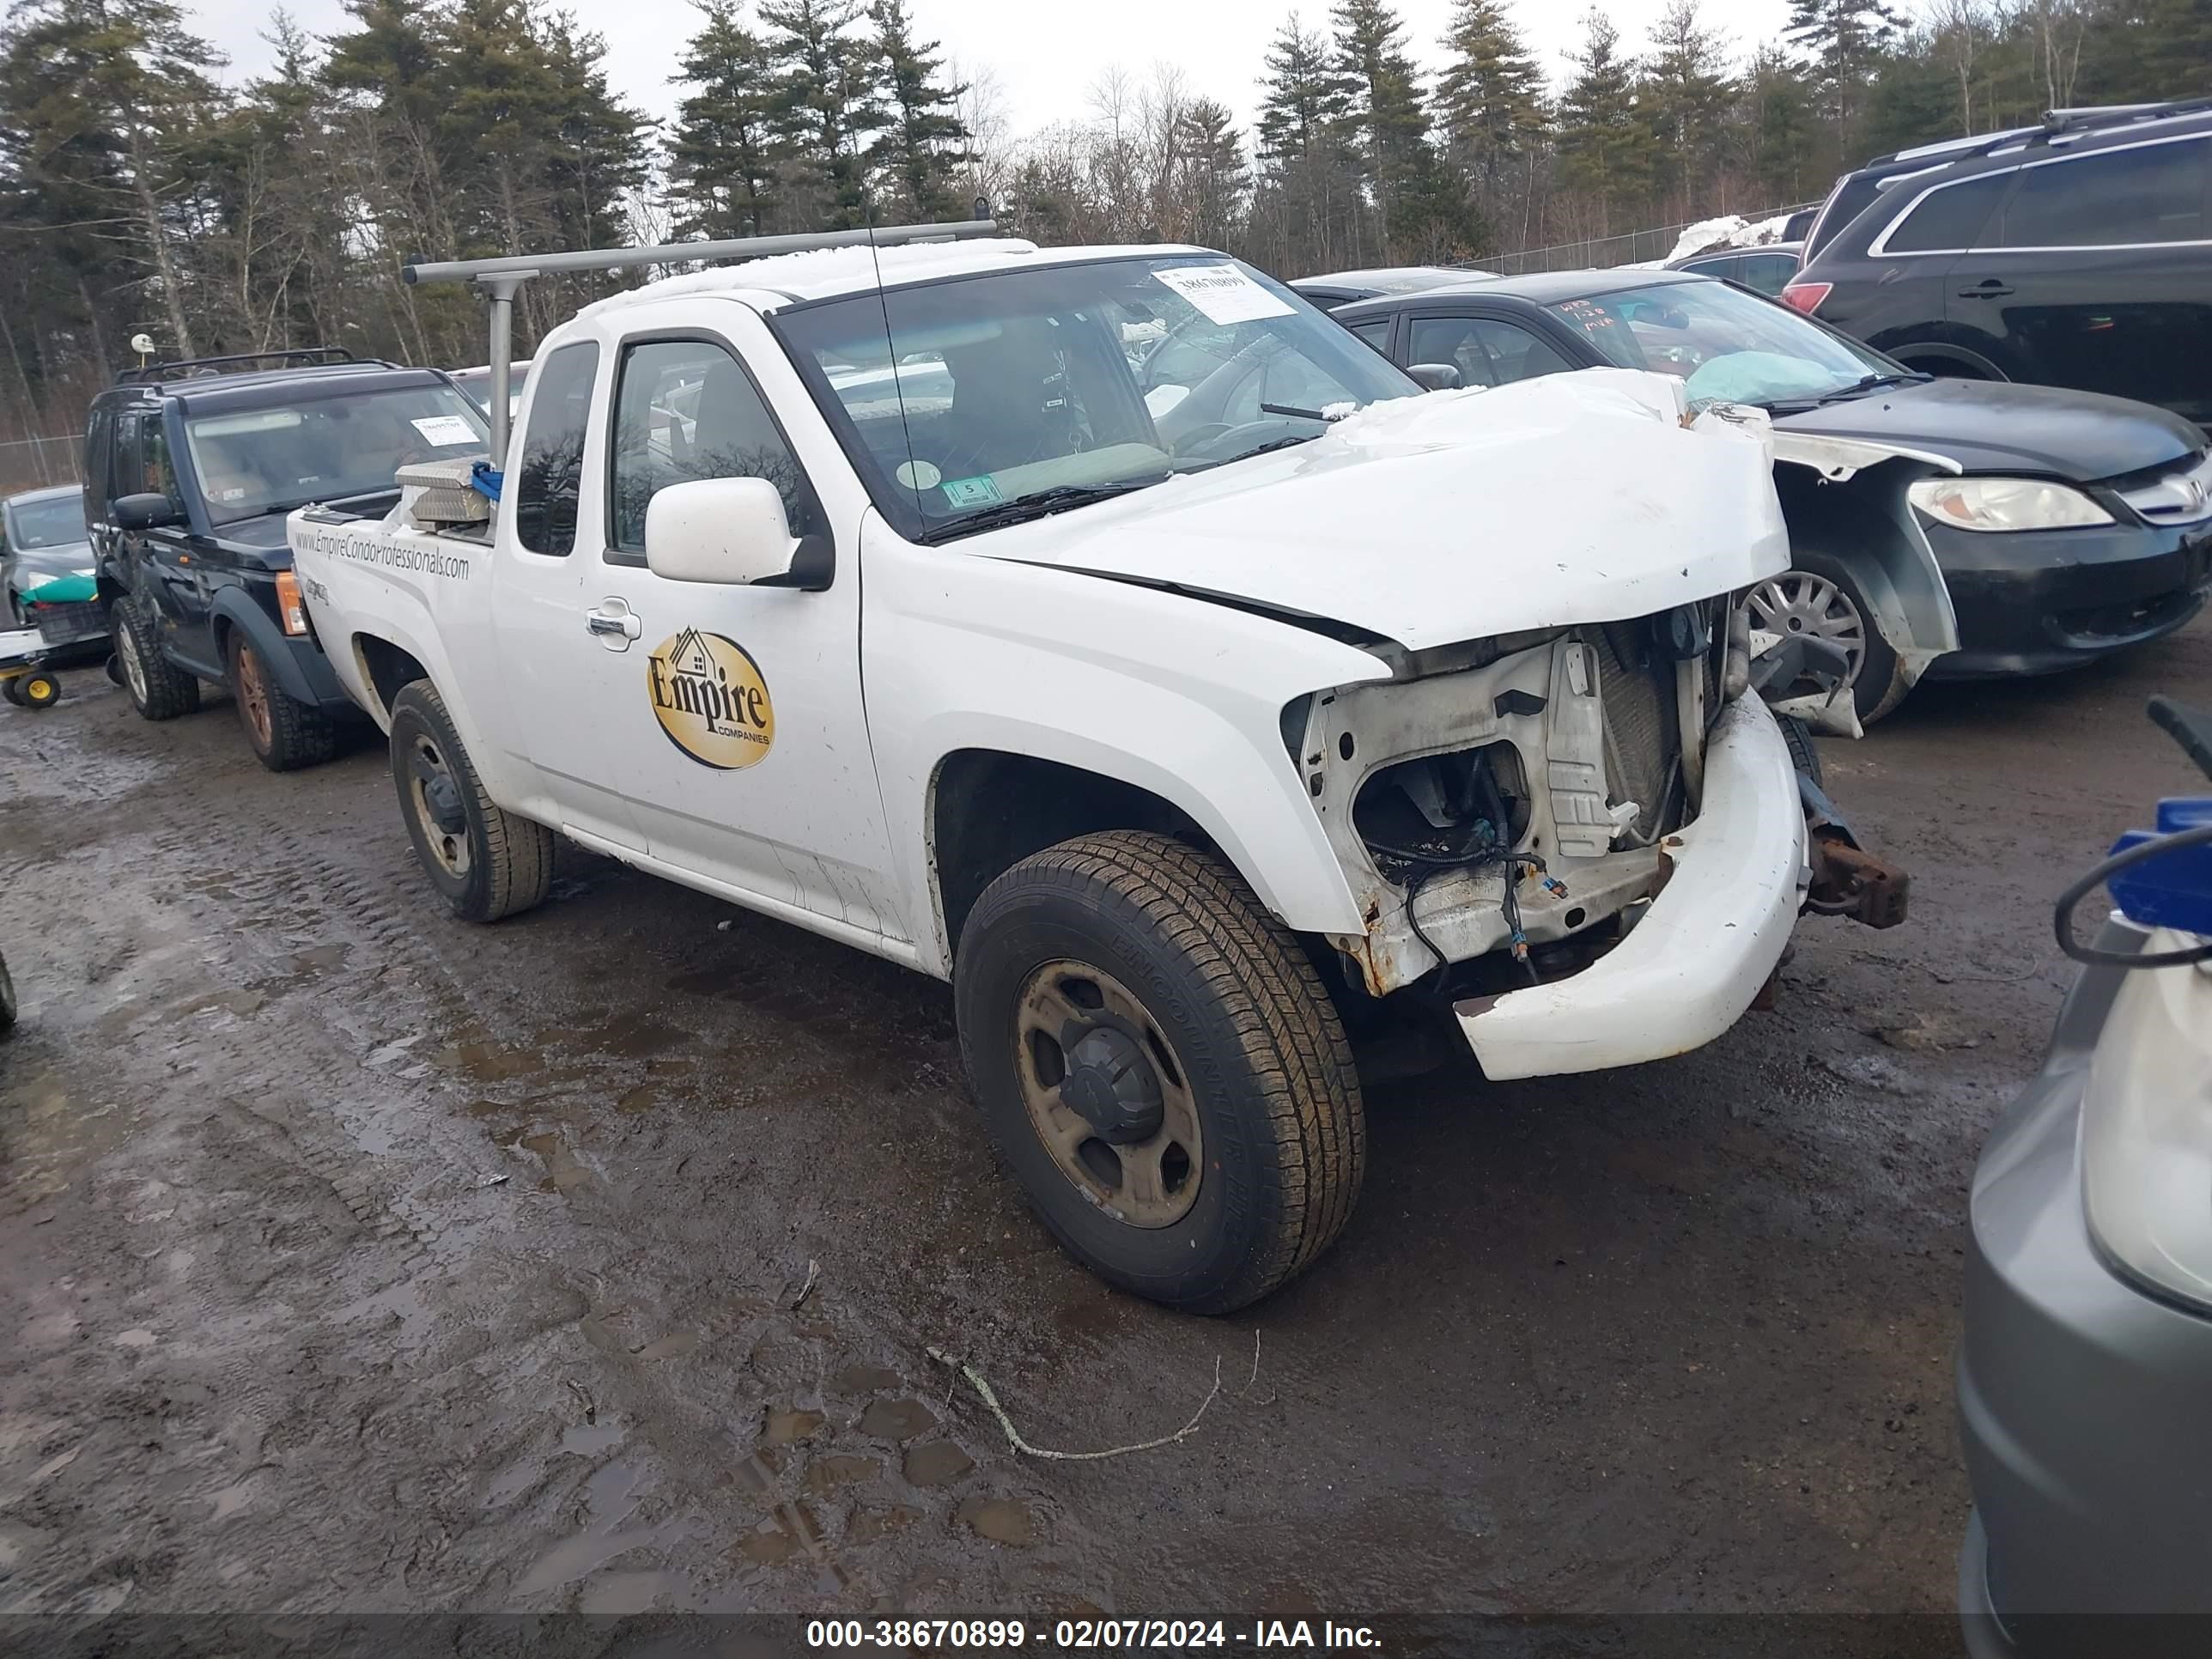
(1490,99)
(826,84)
(1215,176)
(1388,119)
(1776,142)
(1685,93)
(731,141)
(925,145)
(1839,40)
(1309,197)
(1604,150)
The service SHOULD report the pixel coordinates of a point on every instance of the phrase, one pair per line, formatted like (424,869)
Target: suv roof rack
(2089,119)
(190,368)
(499,278)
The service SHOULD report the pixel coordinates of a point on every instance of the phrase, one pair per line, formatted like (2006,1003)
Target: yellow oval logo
(710,697)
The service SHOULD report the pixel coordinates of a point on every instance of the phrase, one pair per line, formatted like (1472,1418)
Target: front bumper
(2035,601)
(1713,937)
(2081,1401)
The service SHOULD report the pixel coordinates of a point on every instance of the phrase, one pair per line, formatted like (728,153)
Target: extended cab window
(686,409)
(551,475)
(2151,193)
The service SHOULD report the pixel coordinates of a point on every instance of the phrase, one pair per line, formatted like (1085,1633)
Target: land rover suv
(190,469)
(2078,253)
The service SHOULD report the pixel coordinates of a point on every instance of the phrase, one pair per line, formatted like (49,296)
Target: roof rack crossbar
(501,278)
(153,373)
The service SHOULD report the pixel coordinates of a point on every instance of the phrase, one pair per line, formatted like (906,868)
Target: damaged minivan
(871,588)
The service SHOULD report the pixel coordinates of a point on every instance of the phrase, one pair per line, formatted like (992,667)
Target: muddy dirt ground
(352,1258)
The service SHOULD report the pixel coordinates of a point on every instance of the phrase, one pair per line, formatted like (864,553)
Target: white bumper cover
(1710,939)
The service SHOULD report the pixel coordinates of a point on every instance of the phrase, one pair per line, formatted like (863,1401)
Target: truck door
(562,665)
(776,794)
(163,562)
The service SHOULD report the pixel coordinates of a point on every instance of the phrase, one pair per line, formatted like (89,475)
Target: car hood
(34,566)
(1994,427)
(1456,515)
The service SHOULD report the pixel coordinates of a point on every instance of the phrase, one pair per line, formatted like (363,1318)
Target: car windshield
(56,523)
(978,401)
(348,443)
(1728,345)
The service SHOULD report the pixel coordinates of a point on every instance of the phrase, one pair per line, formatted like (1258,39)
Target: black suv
(2078,253)
(190,470)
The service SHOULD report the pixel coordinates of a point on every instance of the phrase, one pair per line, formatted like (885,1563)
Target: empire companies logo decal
(710,697)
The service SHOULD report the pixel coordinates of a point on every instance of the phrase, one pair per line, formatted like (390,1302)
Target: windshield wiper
(1037,504)
(1858,389)
(1294,412)
(1269,448)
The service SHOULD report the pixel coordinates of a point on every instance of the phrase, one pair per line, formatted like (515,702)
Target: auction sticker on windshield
(710,697)
(1223,293)
(445,430)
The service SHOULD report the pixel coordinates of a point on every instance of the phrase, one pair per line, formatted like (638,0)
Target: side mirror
(1435,377)
(145,512)
(730,531)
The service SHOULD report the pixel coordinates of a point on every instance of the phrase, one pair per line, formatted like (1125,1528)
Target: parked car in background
(2086,1352)
(2075,525)
(1765,270)
(2079,254)
(190,469)
(476,382)
(45,558)
(1854,191)
(1341,287)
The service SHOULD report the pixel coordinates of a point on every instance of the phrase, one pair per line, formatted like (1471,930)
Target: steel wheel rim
(134,671)
(450,849)
(253,696)
(1805,602)
(1080,1037)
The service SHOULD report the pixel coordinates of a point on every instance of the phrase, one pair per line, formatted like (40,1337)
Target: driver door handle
(1994,288)
(617,627)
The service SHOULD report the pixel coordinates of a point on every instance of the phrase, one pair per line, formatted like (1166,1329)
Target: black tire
(40,689)
(1802,755)
(505,862)
(1880,685)
(7,1001)
(284,733)
(12,689)
(1234,999)
(159,690)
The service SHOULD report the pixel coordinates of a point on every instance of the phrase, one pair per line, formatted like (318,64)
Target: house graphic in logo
(710,697)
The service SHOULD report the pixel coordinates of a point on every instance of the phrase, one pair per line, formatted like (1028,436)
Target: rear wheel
(285,734)
(12,689)
(40,689)
(1161,1068)
(485,862)
(159,690)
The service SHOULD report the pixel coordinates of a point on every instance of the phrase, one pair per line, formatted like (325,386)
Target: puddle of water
(635,1037)
(896,1420)
(864,1379)
(609,1497)
(488,1062)
(935,1462)
(590,1439)
(784,1428)
(1001,1519)
(562,1172)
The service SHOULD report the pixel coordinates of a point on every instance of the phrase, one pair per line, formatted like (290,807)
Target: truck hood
(1988,426)
(1454,516)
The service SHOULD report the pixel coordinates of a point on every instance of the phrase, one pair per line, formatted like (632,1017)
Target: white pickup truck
(863,588)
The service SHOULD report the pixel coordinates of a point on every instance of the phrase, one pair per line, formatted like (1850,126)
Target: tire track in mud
(333,991)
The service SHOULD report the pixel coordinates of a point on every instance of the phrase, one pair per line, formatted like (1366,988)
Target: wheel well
(1954,362)
(991,810)
(389,668)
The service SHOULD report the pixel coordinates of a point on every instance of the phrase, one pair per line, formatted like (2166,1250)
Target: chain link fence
(1601,253)
(28,463)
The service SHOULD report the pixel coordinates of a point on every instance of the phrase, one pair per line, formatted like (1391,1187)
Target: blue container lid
(2172,889)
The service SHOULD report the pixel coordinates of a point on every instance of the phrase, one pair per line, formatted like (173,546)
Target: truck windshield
(1730,346)
(271,459)
(46,524)
(974,401)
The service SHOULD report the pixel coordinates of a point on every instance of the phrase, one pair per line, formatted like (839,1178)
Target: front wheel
(284,733)
(485,862)
(160,690)
(1161,1069)
(40,689)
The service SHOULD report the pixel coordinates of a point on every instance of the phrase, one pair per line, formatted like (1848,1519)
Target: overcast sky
(1045,54)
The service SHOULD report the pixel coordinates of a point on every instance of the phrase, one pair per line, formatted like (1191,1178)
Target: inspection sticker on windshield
(445,430)
(978,491)
(1223,292)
